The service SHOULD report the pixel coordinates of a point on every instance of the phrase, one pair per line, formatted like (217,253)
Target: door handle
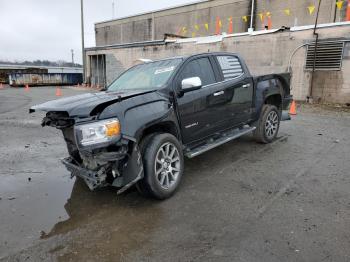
(219,93)
(246,85)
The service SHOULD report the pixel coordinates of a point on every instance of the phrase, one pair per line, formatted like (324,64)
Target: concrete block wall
(114,68)
(333,87)
(299,14)
(264,54)
(153,26)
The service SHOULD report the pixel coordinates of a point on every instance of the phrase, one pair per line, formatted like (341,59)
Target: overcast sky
(49,29)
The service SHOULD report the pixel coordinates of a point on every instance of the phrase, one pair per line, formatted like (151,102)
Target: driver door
(201,111)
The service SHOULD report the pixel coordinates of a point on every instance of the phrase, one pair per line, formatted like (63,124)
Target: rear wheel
(268,124)
(163,166)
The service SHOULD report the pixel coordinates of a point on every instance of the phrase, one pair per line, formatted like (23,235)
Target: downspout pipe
(315,49)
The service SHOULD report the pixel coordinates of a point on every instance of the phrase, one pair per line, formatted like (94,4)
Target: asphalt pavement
(243,201)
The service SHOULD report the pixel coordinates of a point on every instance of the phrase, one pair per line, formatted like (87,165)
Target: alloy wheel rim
(271,124)
(167,165)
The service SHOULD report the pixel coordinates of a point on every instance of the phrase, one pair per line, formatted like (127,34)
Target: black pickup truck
(138,130)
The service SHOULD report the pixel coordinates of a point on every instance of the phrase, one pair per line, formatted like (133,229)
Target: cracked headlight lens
(97,132)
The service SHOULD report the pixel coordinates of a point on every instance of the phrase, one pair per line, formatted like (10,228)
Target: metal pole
(72,56)
(82,36)
(153,32)
(252,15)
(113,10)
(98,70)
(104,70)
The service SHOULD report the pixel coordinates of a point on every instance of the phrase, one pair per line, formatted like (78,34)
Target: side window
(200,67)
(230,66)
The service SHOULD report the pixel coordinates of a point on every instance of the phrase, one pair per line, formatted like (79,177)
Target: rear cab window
(230,66)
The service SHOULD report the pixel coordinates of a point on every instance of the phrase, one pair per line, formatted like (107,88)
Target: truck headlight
(97,132)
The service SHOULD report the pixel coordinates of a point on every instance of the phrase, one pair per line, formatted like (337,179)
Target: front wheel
(268,124)
(163,166)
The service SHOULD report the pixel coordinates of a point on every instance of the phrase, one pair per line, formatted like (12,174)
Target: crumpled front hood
(82,105)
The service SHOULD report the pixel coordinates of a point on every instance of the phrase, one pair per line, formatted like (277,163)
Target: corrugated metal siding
(45,79)
(65,70)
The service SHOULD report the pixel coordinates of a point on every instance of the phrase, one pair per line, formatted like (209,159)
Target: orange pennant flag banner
(245,18)
(269,22)
(230,26)
(206,25)
(348,12)
(179,31)
(218,26)
(196,27)
(311,9)
(339,4)
(261,15)
(287,11)
(193,34)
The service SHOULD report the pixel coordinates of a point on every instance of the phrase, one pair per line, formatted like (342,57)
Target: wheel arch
(274,99)
(161,127)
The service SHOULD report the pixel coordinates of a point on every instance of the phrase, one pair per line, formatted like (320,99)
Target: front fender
(138,113)
(139,118)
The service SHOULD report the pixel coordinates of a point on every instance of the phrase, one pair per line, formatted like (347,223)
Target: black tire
(264,125)
(152,147)
(140,185)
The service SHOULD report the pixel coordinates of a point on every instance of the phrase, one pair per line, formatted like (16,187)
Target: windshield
(148,76)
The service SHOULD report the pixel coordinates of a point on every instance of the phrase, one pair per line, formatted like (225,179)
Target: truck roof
(188,56)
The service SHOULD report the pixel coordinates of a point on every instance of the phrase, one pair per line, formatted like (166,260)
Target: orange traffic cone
(58,91)
(293,110)
(26,88)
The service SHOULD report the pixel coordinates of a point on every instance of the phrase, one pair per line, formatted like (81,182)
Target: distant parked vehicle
(139,130)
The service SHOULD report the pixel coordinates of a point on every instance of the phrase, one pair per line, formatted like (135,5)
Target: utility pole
(82,36)
(72,56)
(113,14)
(251,29)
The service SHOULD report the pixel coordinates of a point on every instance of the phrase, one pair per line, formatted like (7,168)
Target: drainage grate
(329,55)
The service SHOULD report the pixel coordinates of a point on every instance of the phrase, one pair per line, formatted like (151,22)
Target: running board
(224,138)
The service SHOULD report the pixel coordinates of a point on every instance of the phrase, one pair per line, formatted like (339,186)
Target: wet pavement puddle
(29,207)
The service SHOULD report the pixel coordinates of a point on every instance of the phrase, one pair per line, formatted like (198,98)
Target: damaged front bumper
(129,171)
(93,179)
(116,162)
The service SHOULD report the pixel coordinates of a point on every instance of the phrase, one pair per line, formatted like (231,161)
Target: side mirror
(190,84)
